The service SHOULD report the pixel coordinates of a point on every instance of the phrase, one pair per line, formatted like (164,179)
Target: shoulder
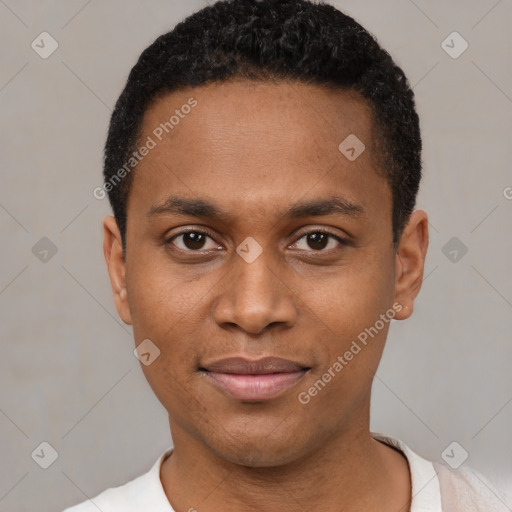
(115,498)
(143,492)
(112,499)
(466,489)
(436,486)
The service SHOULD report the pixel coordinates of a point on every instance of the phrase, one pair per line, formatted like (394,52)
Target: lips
(254,380)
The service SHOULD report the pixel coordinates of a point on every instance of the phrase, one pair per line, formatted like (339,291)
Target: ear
(113,251)
(410,262)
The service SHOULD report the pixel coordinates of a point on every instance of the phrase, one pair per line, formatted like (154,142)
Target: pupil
(317,238)
(193,240)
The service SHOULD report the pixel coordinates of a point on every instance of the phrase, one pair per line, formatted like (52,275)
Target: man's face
(254,151)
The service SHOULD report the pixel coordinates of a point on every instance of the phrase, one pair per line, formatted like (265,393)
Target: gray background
(67,369)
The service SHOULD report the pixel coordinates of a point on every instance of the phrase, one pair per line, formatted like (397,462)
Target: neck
(350,471)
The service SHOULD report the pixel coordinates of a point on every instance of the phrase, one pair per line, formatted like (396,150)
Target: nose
(255,296)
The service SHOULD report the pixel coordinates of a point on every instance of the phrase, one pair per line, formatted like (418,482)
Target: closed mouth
(254,380)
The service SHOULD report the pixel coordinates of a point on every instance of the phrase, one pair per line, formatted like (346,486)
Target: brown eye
(192,241)
(319,240)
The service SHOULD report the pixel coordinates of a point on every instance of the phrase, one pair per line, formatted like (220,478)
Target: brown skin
(253,149)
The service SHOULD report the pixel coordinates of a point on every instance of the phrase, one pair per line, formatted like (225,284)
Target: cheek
(170,314)
(352,298)
(159,299)
(348,308)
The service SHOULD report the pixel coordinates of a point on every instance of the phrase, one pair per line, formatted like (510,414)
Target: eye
(196,240)
(193,240)
(320,241)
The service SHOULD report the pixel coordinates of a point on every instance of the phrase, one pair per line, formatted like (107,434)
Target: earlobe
(410,262)
(114,258)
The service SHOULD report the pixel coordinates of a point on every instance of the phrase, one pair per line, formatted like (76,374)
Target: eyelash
(170,240)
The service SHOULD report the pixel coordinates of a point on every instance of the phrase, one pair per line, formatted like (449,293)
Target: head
(262,163)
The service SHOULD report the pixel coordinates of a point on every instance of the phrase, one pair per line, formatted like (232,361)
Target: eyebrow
(202,208)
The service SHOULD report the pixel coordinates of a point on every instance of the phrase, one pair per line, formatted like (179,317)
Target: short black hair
(272,40)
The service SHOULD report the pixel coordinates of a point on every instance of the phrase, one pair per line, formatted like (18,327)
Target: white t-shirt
(435,488)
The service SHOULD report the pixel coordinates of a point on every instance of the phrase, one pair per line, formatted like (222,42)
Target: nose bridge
(254,295)
(252,271)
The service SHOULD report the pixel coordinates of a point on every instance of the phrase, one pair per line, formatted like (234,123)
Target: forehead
(260,139)
(314,115)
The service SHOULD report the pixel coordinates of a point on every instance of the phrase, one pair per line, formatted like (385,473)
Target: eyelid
(192,229)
